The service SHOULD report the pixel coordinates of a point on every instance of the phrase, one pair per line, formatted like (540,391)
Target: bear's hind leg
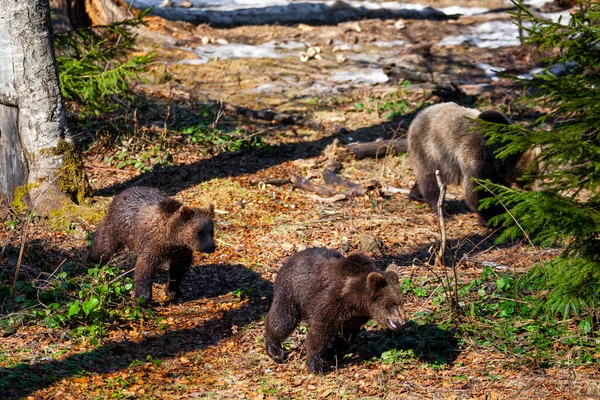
(415,193)
(104,246)
(178,266)
(279,323)
(429,189)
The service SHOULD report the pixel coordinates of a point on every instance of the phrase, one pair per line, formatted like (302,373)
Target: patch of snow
(563,16)
(236,50)
(268,88)
(491,35)
(556,69)
(531,73)
(393,43)
(373,77)
(368,5)
(532,3)
(193,61)
(291,45)
(464,10)
(490,71)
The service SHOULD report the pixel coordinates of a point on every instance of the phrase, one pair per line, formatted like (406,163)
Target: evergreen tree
(565,209)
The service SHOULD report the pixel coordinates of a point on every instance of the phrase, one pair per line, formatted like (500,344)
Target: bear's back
(138,211)
(316,275)
(442,137)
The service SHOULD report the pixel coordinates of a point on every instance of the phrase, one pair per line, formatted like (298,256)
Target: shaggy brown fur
(160,229)
(442,137)
(335,295)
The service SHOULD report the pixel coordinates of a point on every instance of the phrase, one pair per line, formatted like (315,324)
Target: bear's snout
(209,248)
(395,323)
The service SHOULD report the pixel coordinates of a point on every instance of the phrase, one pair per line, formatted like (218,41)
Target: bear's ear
(211,210)
(186,213)
(391,274)
(375,282)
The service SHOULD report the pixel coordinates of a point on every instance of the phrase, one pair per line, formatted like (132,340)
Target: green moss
(19,193)
(72,179)
(71,217)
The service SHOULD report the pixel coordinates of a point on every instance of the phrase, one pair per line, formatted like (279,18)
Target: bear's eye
(394,306)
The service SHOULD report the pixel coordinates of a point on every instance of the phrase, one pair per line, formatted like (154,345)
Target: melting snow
(490,71)
(235,50)
(373,77)
(463,10)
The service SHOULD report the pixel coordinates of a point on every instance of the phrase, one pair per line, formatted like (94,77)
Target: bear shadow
(427,343)
(215,280)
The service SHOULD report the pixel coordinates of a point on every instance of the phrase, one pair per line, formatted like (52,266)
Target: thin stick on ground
(23,237)
(452,297)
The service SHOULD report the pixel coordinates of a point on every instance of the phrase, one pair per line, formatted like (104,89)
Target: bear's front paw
(314,365)
(172,294)
(275,352)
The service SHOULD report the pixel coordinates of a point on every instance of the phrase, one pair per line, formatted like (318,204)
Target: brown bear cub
(160,230)
(442,137)
(336,296)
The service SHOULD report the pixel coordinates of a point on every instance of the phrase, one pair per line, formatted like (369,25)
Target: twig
(453,297)
(23,237)
(440,211)
(426,301)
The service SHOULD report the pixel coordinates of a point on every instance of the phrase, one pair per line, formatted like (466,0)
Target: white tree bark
(29,82)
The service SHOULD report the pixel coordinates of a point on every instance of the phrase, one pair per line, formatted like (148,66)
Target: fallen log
(377,149)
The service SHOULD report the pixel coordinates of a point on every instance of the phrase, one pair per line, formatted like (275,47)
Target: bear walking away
(160,230)
(442,137)
(336,296)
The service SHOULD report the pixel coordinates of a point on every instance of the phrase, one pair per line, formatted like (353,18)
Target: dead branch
(307,185)
(349,188)
(271,181)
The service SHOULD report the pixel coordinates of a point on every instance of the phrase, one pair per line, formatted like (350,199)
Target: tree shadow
(175,178)
(26,378)
(456,249)
(290,14)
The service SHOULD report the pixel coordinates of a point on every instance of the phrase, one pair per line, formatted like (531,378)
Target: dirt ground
(210,344)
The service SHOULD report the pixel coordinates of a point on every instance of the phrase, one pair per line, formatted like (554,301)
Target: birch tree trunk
(38,163)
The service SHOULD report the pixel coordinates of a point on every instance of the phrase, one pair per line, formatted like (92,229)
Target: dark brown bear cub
(160,230)
(336,296)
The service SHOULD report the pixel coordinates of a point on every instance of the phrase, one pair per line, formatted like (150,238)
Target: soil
(210,344)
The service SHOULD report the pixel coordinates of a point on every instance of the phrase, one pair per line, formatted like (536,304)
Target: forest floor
(177,137)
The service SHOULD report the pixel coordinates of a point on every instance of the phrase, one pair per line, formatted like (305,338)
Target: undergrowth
(499,310)
(86,304)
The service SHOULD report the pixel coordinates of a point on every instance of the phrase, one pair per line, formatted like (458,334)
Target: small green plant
(395,356)
(204,134)
(143,161)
